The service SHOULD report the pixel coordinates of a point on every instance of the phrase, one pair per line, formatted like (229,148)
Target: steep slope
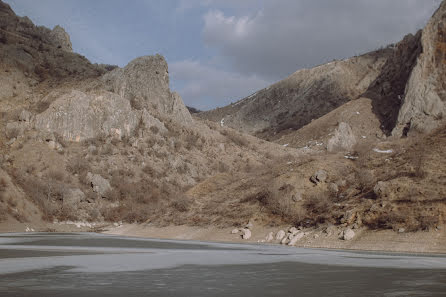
(424,102)
(305,95)
(80,141)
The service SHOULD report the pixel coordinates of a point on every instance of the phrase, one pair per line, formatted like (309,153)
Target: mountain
(352,144)
(302,97)
(81,141)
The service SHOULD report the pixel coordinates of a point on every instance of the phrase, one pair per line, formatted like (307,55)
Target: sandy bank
(385,240)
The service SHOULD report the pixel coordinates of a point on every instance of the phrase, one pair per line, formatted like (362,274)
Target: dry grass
(181,202)
(320,209)
(235,137)
(410,217)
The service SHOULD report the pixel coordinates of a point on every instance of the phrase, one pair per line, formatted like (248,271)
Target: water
(42,264)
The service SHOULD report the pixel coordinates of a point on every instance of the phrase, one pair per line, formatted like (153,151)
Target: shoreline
(383,241)
(422,242)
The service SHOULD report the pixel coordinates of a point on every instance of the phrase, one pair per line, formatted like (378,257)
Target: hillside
(81,141)
(302,97)
(350,145)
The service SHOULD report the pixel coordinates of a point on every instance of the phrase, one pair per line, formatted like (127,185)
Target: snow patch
(382,151)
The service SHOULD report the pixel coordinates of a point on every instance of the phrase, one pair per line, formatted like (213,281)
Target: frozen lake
(51,264)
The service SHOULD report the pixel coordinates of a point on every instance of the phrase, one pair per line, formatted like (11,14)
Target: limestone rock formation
(61,38)
(99,184)
(246,233)
(78,116)
(424,104)
(280,235)
(269,237)
(144,82)
(343,139)
(319,176)
(295,238)
(348,234)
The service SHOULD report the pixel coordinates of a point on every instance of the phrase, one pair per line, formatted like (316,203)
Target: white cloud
(203,86)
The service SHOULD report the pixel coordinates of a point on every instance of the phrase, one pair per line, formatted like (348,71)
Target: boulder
(381,189)
(246,233)
(269,237)
(249,225)
(293,230)
(342,140)
(99,184)
(235,231)
(73,197)
(25,116)
(280,235)
(319,176)
(296,238)
(285,240)
(348,234)
(296,197)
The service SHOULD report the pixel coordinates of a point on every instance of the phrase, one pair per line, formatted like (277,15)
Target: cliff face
(424,104)
(145,83)
(387,91)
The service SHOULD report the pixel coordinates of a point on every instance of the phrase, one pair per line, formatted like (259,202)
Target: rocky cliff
(424,101)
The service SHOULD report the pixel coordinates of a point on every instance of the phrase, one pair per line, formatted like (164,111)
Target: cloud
(204,86)
(285,35)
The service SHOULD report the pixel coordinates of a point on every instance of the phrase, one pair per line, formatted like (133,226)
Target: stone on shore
(296,238)
(246,233)
(280,235)
(269,237)
(348,234)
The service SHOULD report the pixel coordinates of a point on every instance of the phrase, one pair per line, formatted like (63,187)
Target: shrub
(320,209)
(181,203)
(154,129)
(3,186)
(235,137)
(365,179)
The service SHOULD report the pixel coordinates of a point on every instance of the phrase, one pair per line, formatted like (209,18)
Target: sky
(220,51)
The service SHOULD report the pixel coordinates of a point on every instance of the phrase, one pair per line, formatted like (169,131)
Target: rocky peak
(145,83)
(61,39)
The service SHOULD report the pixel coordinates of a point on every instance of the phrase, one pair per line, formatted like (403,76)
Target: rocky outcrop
(424,102)
(342,140)
(305,95)
(280,235)
(387,91)
(78,116)
(319,176)
(347,234)
(99,184)
(144,82)
(61,39)
(246,233)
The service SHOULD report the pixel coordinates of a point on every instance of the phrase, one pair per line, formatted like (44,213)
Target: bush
(3,186)
(181,203)
(235,137)
(320,209)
